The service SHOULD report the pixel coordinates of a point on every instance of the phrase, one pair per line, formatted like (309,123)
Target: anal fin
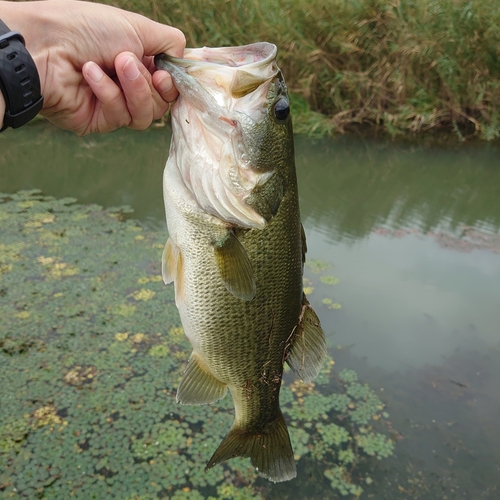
(269,449)
(235,267)
(308,350)
(198,386)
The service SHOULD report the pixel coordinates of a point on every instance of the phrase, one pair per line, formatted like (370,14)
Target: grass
(404,66)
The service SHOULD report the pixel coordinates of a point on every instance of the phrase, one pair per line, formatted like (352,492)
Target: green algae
(92,350)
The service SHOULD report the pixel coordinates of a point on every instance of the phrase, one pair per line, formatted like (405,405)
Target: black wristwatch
(19,80)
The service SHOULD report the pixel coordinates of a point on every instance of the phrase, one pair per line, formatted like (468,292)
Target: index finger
(162,81)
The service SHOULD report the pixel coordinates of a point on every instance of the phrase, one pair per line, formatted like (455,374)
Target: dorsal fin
(303,243)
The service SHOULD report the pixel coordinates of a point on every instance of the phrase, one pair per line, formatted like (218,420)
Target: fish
(236,246)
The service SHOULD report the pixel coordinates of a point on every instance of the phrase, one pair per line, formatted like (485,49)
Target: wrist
(30,23)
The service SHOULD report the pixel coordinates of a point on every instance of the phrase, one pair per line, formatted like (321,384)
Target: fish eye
(282,109)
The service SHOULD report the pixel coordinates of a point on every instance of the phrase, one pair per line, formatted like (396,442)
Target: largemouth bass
(236,246)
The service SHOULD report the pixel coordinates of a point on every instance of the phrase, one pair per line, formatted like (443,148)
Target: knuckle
(159,110)
(180,37)
(137,92)
(139,125)
(125,121)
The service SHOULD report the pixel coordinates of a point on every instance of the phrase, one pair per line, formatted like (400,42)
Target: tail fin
(270,450)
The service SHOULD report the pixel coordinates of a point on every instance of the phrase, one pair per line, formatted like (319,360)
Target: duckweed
(318,265)
(92,350)
(329,280)
(313,282)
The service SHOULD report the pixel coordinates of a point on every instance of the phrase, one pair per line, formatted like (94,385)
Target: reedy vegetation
(405,66)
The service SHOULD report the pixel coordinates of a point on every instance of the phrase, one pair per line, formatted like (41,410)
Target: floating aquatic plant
(92,351)
(329,280)
(319,267)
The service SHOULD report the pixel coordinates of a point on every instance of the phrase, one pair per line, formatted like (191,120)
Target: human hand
(96,63)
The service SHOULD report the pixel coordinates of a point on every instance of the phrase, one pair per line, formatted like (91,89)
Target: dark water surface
(413,235)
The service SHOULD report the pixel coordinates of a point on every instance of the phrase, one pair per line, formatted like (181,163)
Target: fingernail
(165,84)
(94,72)
(130,69)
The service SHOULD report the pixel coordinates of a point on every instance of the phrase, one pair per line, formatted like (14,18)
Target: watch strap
(19,80)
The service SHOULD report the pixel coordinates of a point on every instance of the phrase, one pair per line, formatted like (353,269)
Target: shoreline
(402,67)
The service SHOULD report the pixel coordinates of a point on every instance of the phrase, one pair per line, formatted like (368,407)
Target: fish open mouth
(260,53)
(226,73)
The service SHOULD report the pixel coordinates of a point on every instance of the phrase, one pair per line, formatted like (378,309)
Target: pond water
(412,235)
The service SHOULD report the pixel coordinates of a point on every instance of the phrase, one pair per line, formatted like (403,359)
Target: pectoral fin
(168,260)
(198,386)
(171,268)
(235,267)
(308,349)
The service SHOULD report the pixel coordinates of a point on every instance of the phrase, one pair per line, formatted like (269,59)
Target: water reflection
(351,186)
(348,186)
(407,301)
(123,167)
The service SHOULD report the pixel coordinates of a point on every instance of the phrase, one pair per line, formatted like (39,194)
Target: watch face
(19,80)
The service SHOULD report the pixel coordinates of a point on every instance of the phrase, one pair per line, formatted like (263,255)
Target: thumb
(157,38)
